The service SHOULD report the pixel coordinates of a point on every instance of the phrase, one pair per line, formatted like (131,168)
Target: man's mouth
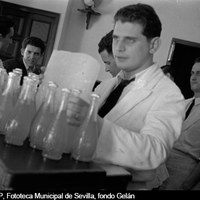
(121,58)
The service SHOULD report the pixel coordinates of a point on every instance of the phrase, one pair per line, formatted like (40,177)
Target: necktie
(189,109)
(113,97)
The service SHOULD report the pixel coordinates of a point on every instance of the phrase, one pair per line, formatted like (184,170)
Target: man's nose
(193,77)
(120,46)
(32,55)
(107,68)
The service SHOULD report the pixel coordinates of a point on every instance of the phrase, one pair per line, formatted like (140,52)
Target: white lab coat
(140,130)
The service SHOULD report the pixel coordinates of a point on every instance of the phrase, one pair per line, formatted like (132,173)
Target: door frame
(30,15)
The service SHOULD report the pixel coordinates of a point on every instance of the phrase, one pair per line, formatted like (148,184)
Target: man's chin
(121,67)
(31,64)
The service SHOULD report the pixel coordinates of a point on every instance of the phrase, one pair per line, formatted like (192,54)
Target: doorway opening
(182,54)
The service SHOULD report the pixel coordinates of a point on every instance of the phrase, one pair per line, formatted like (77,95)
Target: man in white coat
(139,131)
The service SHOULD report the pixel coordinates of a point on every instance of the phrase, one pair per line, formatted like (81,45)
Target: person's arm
(9,65)
(192,179)
(1,64)
(40,71)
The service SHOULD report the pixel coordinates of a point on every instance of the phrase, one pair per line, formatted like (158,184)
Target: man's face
(5,41)
(31,55)
(110,65)
(131,48)
(195,78)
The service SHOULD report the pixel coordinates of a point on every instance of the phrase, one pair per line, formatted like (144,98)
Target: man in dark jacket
(31,51)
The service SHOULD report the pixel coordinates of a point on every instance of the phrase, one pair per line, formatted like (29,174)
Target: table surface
(24,167)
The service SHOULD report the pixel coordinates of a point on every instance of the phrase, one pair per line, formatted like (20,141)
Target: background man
(6,33)
(105,51)
(185,154)
(31,51)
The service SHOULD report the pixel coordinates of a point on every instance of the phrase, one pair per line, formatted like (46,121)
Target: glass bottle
(18,73)
(3,79)
(72,130)
(35,78)
(57,136)
(43,117)
(85,142)
(1,64)
(6,100)
(17,127)
(41,93)
(18,70)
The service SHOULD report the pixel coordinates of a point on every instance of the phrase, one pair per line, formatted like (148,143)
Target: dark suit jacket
(11,64)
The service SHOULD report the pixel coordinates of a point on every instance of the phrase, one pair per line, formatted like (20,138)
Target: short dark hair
(106,43)
(5,25)
(168,69)
(34,41)
(143,14)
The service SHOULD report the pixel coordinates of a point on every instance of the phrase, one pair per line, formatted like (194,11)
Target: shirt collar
(197,101)
(120,75)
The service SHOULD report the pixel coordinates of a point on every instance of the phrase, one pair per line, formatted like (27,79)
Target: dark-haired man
(183,162)
(105,51)
(31,51)
(6,33)
(138,130)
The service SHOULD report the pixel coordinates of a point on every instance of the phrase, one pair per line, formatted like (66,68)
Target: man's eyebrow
(127,37)
(130,37)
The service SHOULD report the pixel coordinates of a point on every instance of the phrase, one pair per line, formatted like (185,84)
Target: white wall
(180,19)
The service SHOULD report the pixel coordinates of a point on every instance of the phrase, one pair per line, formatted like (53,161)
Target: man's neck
(197,95)
(130,74)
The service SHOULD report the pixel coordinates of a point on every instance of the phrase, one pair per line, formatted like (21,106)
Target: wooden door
(30,22)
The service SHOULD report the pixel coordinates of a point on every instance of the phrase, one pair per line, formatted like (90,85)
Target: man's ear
(154,44)
(22,51)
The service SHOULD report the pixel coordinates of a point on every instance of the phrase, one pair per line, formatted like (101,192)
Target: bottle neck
(92,112)
(27,93)
(64,98)
(94,102)
(3,78)
(10,85)
(50,98)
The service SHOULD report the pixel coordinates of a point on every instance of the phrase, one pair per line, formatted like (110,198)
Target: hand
(89,2)
(41,77)
(77,110)
(43,68)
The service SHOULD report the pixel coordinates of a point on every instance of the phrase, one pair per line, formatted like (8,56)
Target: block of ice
(72,70)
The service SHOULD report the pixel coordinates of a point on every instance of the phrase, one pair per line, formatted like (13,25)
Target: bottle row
(48,127)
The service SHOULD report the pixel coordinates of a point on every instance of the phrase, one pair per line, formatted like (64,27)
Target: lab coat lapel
(124,105)
(106,89)
(141,89)
(193,118)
